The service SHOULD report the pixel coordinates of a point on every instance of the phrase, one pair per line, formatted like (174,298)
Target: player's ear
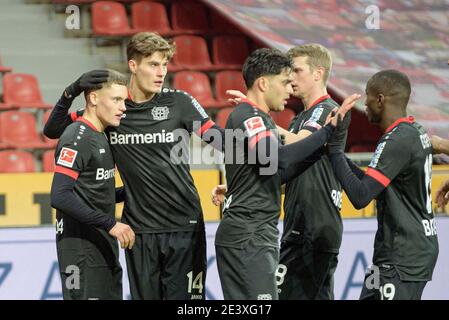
(318,73)
(132,65)
(262,83)
(380,99)
(93,98)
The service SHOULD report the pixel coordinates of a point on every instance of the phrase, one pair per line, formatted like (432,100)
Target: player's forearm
(360,190)
(439,145)
(299,151)
(297,169)
(64,199)
(291,137)
(59,118)
(355,169)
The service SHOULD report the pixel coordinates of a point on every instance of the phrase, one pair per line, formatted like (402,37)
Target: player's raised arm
(59,119)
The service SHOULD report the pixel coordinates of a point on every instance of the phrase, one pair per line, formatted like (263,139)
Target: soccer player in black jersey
(313,228)
(312,223)
(162,205)
(83,192)
(247,238)
(399,178)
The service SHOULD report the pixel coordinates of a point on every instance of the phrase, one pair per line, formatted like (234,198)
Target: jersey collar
(319,100)
(87,122)
(409,119)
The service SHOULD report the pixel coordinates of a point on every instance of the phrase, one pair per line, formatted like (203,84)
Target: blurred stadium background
(42,50)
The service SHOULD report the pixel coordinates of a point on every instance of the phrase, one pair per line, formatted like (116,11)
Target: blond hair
(144,44)
(317,55)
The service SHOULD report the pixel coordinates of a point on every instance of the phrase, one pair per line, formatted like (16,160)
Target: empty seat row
(197,84)
(109,18)
(22,90)
(15,161)
(228,52)
(18,130)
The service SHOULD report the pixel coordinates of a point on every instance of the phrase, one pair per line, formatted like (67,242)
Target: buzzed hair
(317,56)
(265,62)
(391,83)
(144,44)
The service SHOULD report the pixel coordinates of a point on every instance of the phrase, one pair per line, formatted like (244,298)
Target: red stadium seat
(49,142)
(18,130)
(227,80)
(192,53)
(110,19)
(150,16)
(198,85)
(222,117)
(283,118)
(189,17)
(22,91)
(230,52)
(48,161)
(16,161)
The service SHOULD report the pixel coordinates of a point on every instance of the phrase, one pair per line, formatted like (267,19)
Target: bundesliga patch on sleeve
(67,157)
(254,125)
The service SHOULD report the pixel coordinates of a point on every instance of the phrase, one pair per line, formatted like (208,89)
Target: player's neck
(310,100)
(90,116)
(137,95)
(258,99)
(391,118)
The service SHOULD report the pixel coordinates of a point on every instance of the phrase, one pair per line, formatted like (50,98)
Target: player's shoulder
(404,131)
(169,93)
(328,104)
(77,133)
(245,111)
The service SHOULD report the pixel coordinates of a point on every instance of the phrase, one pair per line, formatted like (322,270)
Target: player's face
(111,104)
(373,112)
(303,78)
(150,73)
(279,90)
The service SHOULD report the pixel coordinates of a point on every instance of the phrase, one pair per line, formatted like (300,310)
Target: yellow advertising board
(25,198)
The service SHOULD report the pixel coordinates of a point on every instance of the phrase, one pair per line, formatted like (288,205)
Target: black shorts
(390,286)
(89,265)
(249,273)
(304,273)
(168,266)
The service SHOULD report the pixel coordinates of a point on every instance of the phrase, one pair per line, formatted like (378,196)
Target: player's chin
(114,123)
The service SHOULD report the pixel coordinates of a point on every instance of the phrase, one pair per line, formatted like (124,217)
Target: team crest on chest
(160,113)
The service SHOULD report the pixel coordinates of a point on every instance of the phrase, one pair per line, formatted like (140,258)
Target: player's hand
(218,194)
(237,96)
(337,115)
(124,234)
(88,81)
(443,194)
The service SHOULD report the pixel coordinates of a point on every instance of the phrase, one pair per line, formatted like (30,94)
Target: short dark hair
(263,62)
(391,83)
